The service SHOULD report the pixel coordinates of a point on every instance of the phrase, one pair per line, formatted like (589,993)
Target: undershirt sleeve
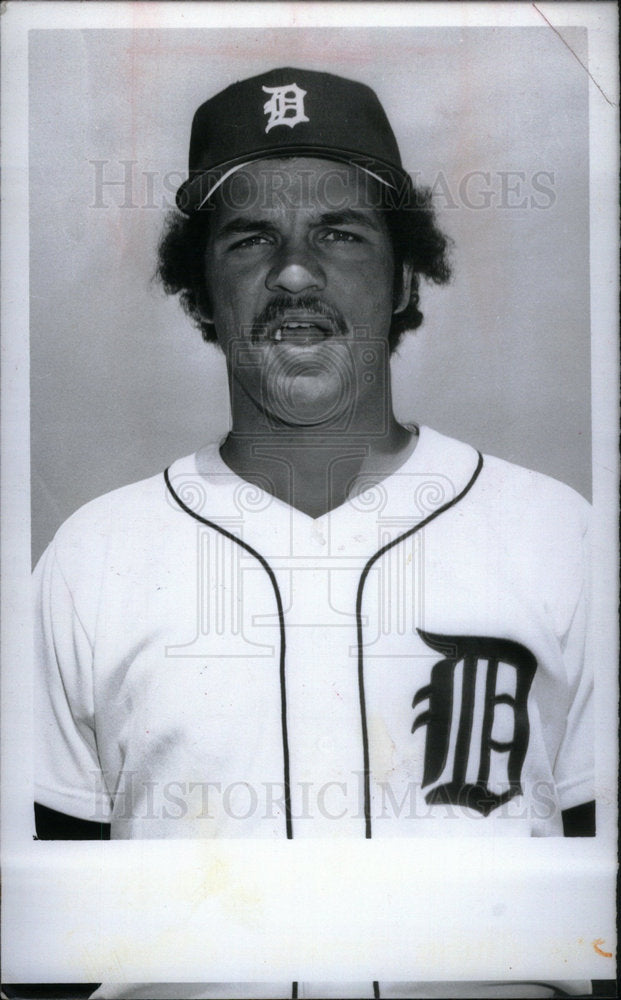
(68,775)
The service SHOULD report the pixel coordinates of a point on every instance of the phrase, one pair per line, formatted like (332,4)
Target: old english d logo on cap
(285,106)
(289,112)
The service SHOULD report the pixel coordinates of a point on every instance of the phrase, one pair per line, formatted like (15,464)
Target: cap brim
(195,193)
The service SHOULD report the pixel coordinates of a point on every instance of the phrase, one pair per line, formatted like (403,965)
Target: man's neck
(317,470)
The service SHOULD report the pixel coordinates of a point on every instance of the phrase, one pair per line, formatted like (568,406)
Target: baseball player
(328,624)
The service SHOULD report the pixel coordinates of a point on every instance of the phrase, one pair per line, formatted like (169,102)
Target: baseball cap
(289,112)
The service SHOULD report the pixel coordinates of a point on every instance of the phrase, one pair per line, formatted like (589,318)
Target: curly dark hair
(413,231)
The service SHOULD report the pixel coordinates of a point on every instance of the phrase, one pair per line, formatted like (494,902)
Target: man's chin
(305,402)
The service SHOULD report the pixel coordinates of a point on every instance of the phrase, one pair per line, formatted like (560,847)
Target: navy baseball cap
(289,112)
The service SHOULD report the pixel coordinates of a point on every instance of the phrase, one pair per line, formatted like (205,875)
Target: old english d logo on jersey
(285,106)
(476,720)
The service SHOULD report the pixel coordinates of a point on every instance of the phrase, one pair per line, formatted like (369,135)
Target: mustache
(276,310)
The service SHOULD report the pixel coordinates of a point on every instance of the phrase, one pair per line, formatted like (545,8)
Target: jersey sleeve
(574,765)
(68,775)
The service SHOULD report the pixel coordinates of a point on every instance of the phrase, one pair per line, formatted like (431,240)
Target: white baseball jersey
(215,663)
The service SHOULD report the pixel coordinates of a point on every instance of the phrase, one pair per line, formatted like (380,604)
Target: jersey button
(317,535)
(325,744)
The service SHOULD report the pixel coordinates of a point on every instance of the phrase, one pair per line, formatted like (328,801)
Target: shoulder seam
(71,597)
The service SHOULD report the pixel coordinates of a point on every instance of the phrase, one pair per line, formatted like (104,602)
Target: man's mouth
(302,330)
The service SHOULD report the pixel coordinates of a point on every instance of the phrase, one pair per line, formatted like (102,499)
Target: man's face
(300,273)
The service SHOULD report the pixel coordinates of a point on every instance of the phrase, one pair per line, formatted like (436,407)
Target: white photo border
(252,911)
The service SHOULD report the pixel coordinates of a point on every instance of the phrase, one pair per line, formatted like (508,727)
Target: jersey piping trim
(362,581)
(281,624)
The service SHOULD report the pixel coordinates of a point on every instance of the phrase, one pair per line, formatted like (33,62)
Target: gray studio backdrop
(495,120)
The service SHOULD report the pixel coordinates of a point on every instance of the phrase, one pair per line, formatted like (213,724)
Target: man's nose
(296,270)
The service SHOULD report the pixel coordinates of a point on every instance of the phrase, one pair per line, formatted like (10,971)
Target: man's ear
(204,304)
(205,311)
(402,300)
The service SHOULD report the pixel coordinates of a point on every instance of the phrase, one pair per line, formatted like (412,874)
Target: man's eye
(340,236)
(250,241)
